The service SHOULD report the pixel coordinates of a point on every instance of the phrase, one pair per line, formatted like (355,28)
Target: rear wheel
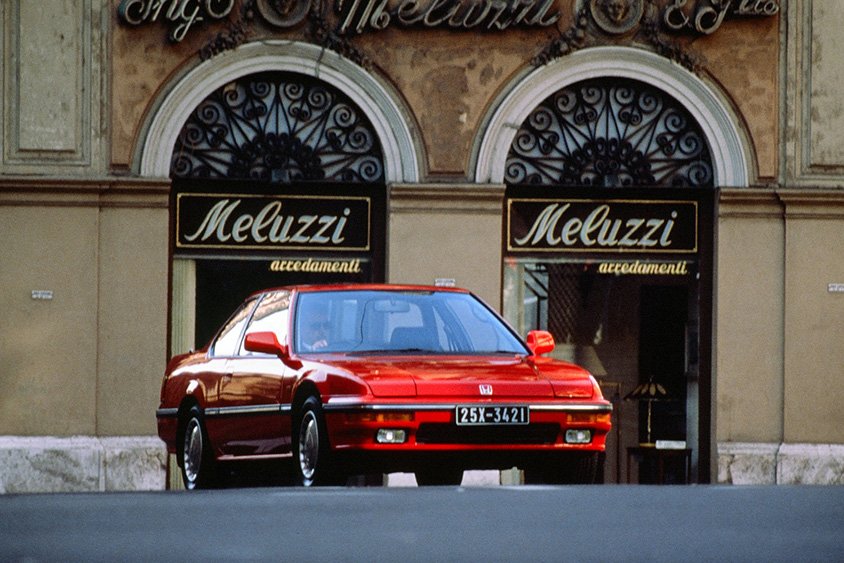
(313,460)
(197,460)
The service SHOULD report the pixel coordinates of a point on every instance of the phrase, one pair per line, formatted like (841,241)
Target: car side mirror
(266,343)
(540,342)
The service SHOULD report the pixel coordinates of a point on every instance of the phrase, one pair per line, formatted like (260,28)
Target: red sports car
(363,379)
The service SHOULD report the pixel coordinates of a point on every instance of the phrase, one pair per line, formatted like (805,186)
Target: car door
(217,368)
(256,421)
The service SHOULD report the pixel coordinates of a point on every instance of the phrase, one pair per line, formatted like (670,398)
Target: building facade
(659,183)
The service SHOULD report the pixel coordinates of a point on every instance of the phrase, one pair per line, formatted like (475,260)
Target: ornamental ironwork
(278,127)
(610,133)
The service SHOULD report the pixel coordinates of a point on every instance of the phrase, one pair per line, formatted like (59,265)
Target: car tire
(196,456)
(313,462)
(573,469)
(439,476)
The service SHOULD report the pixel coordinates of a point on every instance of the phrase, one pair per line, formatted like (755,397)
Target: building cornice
(487,199)
(84,192)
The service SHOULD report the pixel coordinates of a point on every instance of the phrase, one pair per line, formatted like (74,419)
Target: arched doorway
(375,99)
(278,178)
(608,228)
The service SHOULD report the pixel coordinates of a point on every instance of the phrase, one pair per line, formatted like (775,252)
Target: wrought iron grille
(610,133)
(279,127)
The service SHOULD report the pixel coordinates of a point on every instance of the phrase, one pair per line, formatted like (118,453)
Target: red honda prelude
(363,379)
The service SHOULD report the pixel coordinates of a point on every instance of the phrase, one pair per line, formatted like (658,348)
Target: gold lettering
(679,268)
(310,265)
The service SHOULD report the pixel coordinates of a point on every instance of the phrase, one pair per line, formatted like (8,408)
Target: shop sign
(706,16)
(358,16)
(181,15)
(620,226)
(260,222)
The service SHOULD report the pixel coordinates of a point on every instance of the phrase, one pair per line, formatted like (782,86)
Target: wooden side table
(644,452)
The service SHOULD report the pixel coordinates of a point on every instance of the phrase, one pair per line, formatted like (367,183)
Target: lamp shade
(648,391)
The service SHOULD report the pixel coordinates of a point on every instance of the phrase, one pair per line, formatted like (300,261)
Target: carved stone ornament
(616,16)
(283,13)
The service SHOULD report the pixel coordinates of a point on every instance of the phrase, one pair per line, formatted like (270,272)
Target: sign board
(602,226)
(273,222)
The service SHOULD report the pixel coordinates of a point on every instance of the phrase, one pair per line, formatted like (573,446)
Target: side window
(228,339)
(272,315)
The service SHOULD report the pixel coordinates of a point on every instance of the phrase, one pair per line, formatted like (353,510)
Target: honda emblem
(486,389)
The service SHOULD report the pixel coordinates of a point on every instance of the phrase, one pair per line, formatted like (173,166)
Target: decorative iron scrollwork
(610,133)
(279,127)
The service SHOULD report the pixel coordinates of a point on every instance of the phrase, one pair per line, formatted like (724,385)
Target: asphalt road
(523,523)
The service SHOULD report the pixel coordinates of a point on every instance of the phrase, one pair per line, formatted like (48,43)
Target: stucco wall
(48,375)
(749,317)
(814,317)
(449,232)
(88,359)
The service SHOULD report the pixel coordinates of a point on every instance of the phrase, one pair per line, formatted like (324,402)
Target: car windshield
(426,322)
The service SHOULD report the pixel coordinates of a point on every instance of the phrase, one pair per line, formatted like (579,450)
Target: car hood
(443,377)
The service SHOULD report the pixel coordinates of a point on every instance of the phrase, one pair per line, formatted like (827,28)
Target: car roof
(309,288)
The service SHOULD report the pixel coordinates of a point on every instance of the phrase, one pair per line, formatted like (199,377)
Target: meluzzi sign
(258,222)
(620,226)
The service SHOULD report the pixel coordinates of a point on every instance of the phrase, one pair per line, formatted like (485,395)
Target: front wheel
(312,451)
(197,460)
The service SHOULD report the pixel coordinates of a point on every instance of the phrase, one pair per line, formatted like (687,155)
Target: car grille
(440,433)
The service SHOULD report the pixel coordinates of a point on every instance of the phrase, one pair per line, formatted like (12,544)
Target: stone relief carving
(284,13)
(617,16)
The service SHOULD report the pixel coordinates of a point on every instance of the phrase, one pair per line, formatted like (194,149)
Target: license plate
(492,415)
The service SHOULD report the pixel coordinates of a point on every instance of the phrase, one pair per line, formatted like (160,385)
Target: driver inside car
(315,330)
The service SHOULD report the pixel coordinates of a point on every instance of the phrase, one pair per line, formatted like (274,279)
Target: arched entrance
(264,160)
(608,242)
(278,178)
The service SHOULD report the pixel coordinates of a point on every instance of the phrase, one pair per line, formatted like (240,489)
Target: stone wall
(81,464)
(780,464)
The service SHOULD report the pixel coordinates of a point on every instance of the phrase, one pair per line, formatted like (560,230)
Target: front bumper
(431,427)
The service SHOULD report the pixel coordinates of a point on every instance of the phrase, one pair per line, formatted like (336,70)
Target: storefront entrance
(608,245)
(278,179)
(635,323)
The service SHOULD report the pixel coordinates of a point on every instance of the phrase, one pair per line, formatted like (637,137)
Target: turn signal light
(380,417)
(391,436)
(588,418)
(578,436)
